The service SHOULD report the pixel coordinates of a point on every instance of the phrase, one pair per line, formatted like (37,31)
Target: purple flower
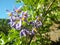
(38,23)
(12,18)
(12,24)
(18,25)
(15,23)
(32,32)
(17,10)
(9,13)
(24,16)
(16,20)
(24,32)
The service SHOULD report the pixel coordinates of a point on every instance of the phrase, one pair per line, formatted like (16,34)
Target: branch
(50,5)
(47,10)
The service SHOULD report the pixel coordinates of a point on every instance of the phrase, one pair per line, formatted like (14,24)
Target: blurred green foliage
(50,10)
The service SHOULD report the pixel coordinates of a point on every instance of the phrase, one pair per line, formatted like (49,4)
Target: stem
(49,7)
(47,10)
(30,39)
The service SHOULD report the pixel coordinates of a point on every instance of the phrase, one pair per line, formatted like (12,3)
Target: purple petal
(32,33)
(18,25)
(38,24)
(22,33)
(15,8)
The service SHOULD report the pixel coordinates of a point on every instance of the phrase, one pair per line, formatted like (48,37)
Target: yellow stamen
(10,14)
(16,21)
(35,29)
(17,11)
(23,18)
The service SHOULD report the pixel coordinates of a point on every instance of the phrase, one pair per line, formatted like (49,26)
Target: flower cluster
(16,19)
